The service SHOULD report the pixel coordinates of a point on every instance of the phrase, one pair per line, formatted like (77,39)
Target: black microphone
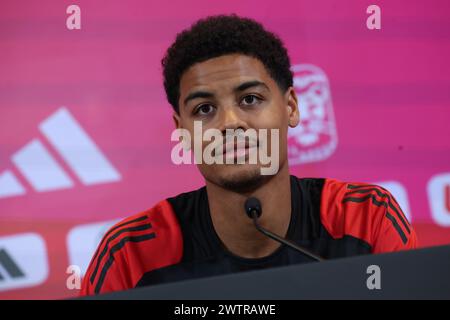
(253,209)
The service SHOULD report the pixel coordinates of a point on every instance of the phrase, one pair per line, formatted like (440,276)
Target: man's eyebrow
(198,94)
(250,84)
(241,87)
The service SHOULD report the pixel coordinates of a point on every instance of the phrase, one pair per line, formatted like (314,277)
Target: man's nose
(231,119)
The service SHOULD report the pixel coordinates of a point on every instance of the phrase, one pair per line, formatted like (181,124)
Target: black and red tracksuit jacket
(175,240)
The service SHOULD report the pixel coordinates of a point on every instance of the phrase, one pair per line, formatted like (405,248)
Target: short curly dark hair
(218,35)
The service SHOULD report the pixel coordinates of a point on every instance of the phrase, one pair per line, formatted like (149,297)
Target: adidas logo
(21,267)
(11,268)
(36,164)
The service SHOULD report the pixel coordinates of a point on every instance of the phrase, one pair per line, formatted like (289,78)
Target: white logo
(235,147)
(73,22)
(83,240)
(373,21)
(42,170)
(439,197)
(374,280)
(400,194)
(73,281)
(23,261)
(315,138)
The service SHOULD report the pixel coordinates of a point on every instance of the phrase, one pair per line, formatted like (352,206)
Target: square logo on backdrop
(23,261)
(439,198)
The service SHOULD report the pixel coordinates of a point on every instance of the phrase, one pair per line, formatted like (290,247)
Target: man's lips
(239,153)
(237,150)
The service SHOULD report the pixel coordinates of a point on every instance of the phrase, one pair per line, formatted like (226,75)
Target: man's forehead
(228,69)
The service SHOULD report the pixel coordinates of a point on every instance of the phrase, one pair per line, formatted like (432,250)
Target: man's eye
(250,99)
(204,109)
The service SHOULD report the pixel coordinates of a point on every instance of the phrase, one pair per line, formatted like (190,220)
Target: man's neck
(236,230)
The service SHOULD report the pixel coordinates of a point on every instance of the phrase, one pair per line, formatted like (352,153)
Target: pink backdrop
(378,111)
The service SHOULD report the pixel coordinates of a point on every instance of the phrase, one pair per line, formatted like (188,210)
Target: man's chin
(240,178)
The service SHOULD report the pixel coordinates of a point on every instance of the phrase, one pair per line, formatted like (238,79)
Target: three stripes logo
(135,231)
(400,194)
(83,240)
(36,164)
(23,261)
(380,197)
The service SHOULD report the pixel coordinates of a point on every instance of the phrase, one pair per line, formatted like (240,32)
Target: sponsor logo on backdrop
(315,138)
(23,261)
(439,198)
(400,194)
(82,241)
(43,172)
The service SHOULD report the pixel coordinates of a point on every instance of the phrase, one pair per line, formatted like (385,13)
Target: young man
(228,73)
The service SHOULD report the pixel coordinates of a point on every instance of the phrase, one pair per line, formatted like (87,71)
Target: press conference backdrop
(85,128)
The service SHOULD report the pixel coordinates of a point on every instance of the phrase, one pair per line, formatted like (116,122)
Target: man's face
(235,92)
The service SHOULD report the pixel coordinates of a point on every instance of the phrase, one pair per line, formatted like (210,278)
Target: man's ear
(292,107)
(177,120)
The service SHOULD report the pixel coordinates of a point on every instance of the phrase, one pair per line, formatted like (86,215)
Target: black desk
(417,274)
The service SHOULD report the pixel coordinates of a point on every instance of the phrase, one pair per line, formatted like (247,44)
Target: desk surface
(416,274)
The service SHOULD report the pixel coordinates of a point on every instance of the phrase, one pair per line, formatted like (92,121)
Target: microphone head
(251,205)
